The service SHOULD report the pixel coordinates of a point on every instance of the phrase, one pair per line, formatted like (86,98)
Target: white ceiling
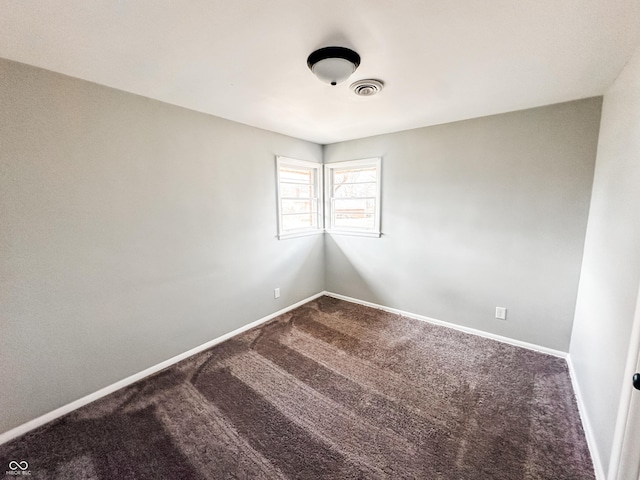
(245,60)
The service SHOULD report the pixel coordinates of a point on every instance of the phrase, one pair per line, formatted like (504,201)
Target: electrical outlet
(276,293)
(501,313)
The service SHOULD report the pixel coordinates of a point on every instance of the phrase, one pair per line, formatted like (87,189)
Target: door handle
(636,381)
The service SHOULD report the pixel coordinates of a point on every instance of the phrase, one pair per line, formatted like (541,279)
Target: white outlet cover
(501,313)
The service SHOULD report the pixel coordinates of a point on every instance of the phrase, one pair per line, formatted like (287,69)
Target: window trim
(318,190)
(328,183)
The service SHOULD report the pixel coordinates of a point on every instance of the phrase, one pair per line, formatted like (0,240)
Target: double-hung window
(353,197)
(299,197)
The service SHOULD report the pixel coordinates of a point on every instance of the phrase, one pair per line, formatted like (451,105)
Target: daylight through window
(299,202)
(353,196)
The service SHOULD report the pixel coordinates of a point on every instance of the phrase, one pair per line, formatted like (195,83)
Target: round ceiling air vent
(366,88)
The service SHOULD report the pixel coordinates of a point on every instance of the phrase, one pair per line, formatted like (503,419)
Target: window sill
(284,236)
(352,233)
(355,233)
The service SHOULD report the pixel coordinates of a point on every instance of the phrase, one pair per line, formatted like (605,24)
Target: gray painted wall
(611,267)
(134,230)
(131,231)
(478,214)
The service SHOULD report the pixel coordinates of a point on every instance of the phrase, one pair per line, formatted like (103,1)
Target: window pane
(354,213)
(354,206)
(299,196)
(296,175)
(355,190)
(297,206)
(294,222)
(363,221)
(354,175)
(295,190)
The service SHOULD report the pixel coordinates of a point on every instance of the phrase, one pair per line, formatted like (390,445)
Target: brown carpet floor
(329,390)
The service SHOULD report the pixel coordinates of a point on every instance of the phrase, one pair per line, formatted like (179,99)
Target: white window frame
(329,169)
(316,197)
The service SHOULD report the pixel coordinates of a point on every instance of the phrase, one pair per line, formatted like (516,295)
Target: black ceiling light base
(340,63)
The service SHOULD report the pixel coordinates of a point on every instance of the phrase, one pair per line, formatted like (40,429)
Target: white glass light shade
(333,70)
(333,64)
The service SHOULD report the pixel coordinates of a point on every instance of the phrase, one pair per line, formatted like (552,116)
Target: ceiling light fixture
(333,64)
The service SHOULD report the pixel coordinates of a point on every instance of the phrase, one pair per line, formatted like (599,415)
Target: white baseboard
(69,407)
(472,331)
(586,424)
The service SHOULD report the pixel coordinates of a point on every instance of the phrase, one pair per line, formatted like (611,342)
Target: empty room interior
(338,239)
